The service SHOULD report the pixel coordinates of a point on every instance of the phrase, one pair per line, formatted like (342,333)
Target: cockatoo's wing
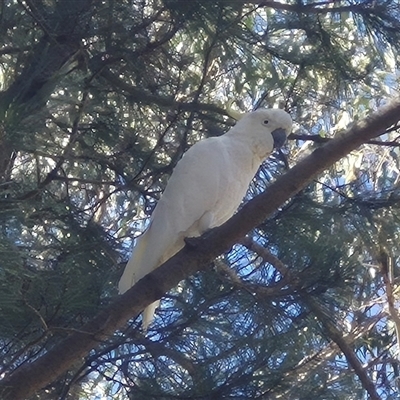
(204,191)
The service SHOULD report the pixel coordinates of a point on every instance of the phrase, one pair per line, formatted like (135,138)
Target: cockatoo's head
(267,127)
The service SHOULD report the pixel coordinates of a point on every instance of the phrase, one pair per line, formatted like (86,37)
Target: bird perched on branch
(204,191)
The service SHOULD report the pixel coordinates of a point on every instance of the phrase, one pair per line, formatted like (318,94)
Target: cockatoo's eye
(265,122)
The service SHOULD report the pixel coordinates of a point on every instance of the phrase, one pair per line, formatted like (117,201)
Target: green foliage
(98,102)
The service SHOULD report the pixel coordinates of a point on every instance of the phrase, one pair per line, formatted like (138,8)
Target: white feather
(204,190)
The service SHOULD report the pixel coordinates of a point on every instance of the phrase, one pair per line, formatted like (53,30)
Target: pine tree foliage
(98,102)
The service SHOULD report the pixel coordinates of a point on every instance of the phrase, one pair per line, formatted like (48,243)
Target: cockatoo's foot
(192,242)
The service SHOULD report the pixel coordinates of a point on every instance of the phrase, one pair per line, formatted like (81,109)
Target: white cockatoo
(204,190)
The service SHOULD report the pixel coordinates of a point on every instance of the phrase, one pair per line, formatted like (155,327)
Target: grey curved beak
(280,137)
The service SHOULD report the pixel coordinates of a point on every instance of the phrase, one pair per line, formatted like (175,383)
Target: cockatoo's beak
(280,136)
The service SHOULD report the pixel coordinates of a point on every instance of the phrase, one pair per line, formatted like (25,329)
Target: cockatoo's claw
(192,242)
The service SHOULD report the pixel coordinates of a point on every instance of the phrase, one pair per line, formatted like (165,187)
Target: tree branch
(342,340)
(385,262)
(322,139)
(339,338)
(29,378)
(310,8)
(143,96)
